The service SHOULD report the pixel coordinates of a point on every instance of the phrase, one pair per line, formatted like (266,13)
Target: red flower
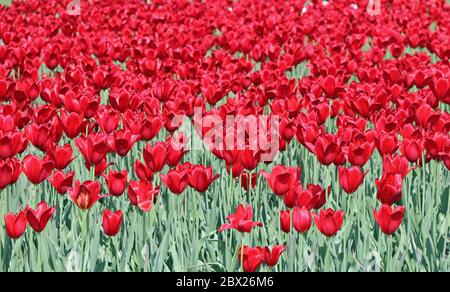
(10,171)
(176,180)
(112,222)
(325,149)
(271,257)
(351,178)
(16,225)
(85,195)
(201,177)
(93,147)
(73,124)
(62,182)
(39,218)
(37,170)
(117,182)
(251,258)
(389,219)
(389,188)
(155,157)
(241,220)
(301,219)
(10,144)
(61,156)
(282,178)
(248,181)
(359,153)
(285,221)
(142,171)
(142,194)
(329,222)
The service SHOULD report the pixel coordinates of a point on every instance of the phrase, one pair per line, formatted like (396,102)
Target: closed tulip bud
(112,222)
(116,182)
(285,221)
(301,219)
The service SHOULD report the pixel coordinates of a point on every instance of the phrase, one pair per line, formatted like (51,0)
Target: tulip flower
(61,156)
(10,144)
(389,188)
(176,180)
(271,257)
(62,182)
(39,218)
(301,219)
(285,221)
(329,221)
(282,178)
(37,170)
(10,171)
(201,178)
(155,157)
(16,225)
(251,258)
(85,195)
(248,181)
(142,194)
(116,182)
(142,171)
(389,219)
(241,220)
(112,222)
(351,178)
(93,148)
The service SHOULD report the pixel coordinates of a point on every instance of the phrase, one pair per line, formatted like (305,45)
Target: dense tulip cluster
(117,82)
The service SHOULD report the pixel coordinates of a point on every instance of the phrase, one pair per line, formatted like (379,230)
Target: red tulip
(271,257)
(282,178)
(142,171)
(142,194)
(251,258)
(112,222)
(39,218)
(359,153)
(155,157)
(389,219)
(85,195)
(201,177)
(175,151)
(329,222)
(351,178)
(41,136)
(10,171)
(37,170)
(122,141)
(93,147)
(176,180)
(11,144)
(412,149)
(73,124)
(301,219)
(325,149)
(116,182)
(285,221)
(108,119)
(61,156)
(16,225)
(62,182)
(389,188)
(241,220)
(248,181)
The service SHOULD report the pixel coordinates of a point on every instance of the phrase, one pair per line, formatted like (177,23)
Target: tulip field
(224,136)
